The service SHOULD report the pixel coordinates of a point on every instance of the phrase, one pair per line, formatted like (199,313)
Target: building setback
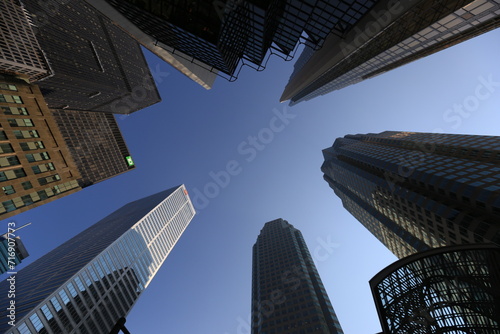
(91,281)
(287,293)
(416,191)
(221,35)
(96,65)
(393,34)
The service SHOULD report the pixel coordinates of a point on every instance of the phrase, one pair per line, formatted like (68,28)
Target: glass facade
(415,191)
(88,283)
(375,49)
(224,34)
(446,290)
(287,293)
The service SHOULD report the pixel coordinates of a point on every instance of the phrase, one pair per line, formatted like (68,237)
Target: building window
(7,206)
(3,136)
(37,156)
(44,180)
(5,86)
(26,134)
(34,145)
(6,148)
(9,161)
(43,168)
(10,98)
(27,185)
(8,190)
(14,111)
(17,122)
(12,174)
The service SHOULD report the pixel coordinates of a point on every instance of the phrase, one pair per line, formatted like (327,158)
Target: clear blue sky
(204,285)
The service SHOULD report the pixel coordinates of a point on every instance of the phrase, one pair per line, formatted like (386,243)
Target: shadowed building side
(96,144)
(96,66)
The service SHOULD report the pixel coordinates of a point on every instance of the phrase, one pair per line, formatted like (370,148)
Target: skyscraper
(47,154)
(91,281)
(287,293)
(95,143)
(96,66)
(393,33)
(416,191)
(20,52)
(224,34)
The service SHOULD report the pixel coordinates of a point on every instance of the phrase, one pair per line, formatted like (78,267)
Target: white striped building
(89,282)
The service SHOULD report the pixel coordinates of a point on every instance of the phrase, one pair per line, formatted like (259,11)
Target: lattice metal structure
(452,290)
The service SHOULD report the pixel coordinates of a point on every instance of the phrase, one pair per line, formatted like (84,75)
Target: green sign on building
(130,162)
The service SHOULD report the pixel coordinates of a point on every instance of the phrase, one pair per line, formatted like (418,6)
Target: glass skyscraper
(393,34)
(416,191)
(287,293)
(221,35)
(91,281)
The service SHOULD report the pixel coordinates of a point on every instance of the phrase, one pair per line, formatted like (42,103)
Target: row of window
(27,146)
(5,86)
(20,134)
(10,99)
(14,110)
(15,203)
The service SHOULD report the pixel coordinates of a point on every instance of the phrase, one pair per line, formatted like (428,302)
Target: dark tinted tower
(287,293)
(416,191)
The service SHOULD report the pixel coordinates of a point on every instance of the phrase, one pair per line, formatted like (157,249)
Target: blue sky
(195,136)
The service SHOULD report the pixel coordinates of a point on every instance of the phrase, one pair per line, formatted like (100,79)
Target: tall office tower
(394,33)
(453,289)
(47,154)
(415,191)
(91,281)
(20,52)
(95,143)
(96,66)
(287,293)
(224,34)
